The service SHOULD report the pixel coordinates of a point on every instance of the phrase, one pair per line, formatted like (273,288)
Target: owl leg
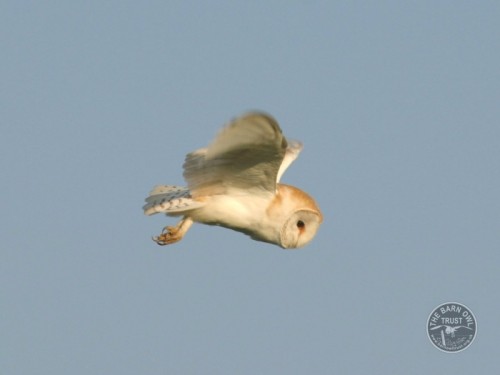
(170,235)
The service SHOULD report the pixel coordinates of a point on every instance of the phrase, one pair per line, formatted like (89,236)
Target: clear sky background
(398,106)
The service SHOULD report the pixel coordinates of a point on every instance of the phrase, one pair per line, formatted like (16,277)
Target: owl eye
(300,224)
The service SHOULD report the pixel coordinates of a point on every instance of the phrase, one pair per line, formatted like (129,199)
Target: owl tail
(169,199)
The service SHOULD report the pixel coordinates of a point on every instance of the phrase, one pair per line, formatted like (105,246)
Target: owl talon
(168,229)
(158,240)
(170,235)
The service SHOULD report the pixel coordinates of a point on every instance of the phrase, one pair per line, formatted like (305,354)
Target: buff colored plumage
(234,183)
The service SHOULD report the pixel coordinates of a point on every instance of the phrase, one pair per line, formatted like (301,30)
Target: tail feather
(169,199)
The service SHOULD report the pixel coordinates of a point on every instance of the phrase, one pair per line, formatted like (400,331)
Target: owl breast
(289,219)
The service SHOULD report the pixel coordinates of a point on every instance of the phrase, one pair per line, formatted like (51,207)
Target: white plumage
(234,183)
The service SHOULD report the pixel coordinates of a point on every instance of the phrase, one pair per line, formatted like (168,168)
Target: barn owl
(234,183)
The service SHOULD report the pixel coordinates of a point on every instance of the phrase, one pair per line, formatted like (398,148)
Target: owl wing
(291,153)
(250,153)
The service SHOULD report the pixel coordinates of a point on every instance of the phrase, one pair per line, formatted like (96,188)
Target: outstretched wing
(436,327)
(246,155)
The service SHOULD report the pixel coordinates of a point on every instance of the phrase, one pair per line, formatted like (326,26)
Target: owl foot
(170,235)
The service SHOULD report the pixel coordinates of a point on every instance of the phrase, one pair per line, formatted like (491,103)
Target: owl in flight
(234,183)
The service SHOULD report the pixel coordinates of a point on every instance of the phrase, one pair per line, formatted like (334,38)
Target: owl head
(298,216)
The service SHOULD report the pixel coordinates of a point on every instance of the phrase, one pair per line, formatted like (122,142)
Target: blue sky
(397,106)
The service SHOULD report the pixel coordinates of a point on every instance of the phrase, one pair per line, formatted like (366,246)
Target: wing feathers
(246,155)
(169,199)
(292,151)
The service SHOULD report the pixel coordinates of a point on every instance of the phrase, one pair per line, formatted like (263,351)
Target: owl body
(242,213)
(234,184)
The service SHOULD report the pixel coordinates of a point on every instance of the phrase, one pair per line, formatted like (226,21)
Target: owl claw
(170,235)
